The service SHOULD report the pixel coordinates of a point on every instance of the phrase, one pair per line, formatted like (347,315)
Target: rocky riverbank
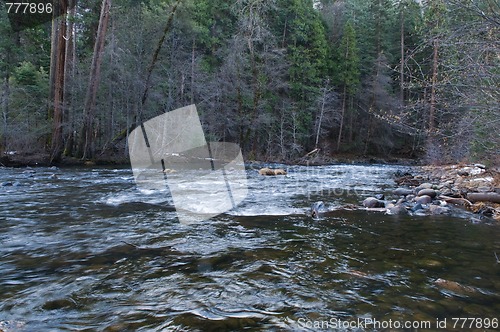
(475,187)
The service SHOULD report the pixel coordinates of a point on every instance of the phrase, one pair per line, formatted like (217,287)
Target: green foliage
(348,73)
(305,38)
(256,70)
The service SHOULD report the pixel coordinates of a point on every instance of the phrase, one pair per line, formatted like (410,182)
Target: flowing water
(88,251)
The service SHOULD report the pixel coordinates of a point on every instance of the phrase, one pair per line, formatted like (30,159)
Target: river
(88,251)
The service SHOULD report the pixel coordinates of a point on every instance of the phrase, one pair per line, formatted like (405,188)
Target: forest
(282,78)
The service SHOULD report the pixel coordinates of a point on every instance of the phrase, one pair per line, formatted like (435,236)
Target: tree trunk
(192,69)
(70,64)
(344,98)
(432,108)
(57,78)
(86,140)
(401,65)
(322,112)
(5,112)
(352,115)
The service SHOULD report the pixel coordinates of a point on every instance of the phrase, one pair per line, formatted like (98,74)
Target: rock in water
(316,209)
(425,199)
(436,209)
(429,192)
(372,202)
(417,207)
(271,172)
(403,192)
(397,209)
(455,286)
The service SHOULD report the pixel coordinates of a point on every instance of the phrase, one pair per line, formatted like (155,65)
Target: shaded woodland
(402,78)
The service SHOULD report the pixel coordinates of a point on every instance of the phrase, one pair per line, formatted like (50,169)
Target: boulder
(425,185)
(372,202)
(403,192)
(436,209)
(429,192)
(417,207)
(424,199)
(397,209)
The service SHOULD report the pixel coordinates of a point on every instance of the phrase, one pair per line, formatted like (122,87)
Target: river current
(88,251)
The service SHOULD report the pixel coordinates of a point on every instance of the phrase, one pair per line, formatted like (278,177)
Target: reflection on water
(88,251)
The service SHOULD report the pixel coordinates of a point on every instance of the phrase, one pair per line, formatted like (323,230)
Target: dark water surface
(89,252)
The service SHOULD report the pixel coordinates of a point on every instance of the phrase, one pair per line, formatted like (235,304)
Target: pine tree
(348,72)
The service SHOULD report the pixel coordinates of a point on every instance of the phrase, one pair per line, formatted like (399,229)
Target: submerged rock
(455,286)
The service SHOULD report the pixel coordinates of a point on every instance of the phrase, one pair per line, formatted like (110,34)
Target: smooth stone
(425,199)
(436,209)
(397,210)
(417,207)
(372,202)
(403,192)
(429,192)
(424,186)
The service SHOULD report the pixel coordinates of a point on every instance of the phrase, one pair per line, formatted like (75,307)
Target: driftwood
(484,197)
(311,153)
(408,180)
(271,172)
(455,200)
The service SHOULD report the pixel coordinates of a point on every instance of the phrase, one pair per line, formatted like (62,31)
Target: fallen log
(454,200)
(484,197)
(272,172)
